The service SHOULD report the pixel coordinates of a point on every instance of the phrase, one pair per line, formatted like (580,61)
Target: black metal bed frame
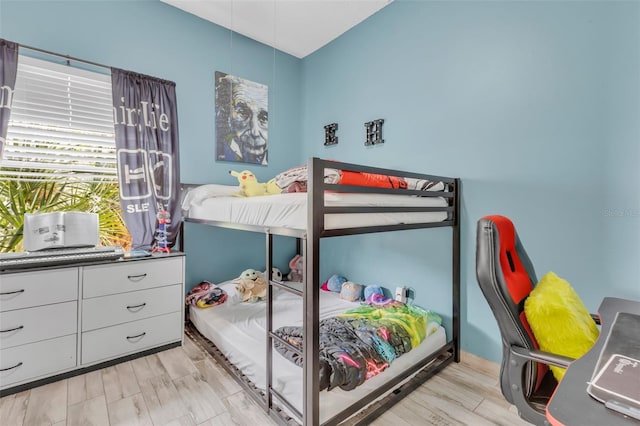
(364,410)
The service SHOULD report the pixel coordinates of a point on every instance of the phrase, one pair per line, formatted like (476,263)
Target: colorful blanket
(362,342)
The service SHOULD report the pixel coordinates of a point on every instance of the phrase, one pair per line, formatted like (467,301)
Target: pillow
(197,195)
(559,320)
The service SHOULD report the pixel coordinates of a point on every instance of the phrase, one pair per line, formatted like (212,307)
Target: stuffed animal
(372,289)
(297,269)
(250,187)
(251,286)
(276,275)
(334,283)
(351,291)
(272,187)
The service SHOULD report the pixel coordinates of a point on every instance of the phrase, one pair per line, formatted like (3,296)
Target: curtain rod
(67,57)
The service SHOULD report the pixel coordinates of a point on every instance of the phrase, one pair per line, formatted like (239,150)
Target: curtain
(8,71)
(146,130)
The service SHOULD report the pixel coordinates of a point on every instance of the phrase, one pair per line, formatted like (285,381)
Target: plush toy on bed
(297,269)
(276,275)
(250,187)
(252,287)
(351,291)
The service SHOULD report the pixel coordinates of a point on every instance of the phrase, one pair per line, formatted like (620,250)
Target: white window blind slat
(72,114)
(58,120)
(59,87)
(42,153)
(61,124)
(62,138)
(55,101)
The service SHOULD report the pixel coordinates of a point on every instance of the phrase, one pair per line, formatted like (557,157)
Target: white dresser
(75,318)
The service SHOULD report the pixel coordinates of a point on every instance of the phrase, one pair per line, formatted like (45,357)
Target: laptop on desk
(616,378)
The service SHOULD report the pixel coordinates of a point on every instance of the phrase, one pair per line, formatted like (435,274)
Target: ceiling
(297,27)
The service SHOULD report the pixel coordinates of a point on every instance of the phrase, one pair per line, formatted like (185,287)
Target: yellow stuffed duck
(252,287)
(250,187)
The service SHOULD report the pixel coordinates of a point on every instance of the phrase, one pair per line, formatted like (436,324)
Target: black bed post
(269,348)
(311,254)
(456,272)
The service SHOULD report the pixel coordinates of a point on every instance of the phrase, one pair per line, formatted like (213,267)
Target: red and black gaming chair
(506,277)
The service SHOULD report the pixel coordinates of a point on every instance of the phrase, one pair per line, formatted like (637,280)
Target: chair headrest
(518,279)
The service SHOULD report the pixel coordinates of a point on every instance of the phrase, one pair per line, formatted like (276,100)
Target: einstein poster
(242,120)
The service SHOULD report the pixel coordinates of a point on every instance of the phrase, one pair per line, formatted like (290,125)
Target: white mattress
(290,210)
(238,330)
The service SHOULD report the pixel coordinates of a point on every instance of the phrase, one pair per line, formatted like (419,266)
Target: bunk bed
(325,210)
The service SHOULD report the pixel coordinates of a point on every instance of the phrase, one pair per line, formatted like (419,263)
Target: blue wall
(153,38)
(534,105)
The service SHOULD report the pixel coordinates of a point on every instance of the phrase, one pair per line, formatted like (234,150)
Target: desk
(570,403)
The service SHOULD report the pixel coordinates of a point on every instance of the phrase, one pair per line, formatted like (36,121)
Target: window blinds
(61,125)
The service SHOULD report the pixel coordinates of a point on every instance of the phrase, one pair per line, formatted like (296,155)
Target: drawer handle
(136,308)
(12,329)
(11,368)
(138,277)
(11,292)
(135,337)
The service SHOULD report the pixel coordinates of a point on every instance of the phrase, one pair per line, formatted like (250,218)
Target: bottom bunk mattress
(238,330)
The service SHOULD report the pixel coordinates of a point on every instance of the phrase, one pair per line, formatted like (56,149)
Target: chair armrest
(596,318)
(542,356)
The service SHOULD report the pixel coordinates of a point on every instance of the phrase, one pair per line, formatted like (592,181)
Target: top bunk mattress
(216,203)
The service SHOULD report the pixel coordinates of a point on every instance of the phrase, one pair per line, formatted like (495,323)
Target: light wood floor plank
(390,418)
(217,378)
(223,419)
(472,380)
(77,390)
(177,363)
(182,421)
(130,411)
(488,368)
(498,414)
(147,367)
(92,412)
(184,386)
(445,406)
(119,382)
(202,402)
(13,408)
(47,404)
(245,411)
(443,387)
(162,399)
(193,351)
(413,413)
(94,384)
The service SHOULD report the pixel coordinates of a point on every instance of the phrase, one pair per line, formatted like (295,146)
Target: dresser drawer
(38,359)
(22,326)
(130,276)
(99,312)
(123,339)
(27,289)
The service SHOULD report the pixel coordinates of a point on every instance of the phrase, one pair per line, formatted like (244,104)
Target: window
(60,152)
(61,124)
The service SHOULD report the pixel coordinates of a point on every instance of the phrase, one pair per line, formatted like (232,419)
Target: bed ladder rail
(271,336)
